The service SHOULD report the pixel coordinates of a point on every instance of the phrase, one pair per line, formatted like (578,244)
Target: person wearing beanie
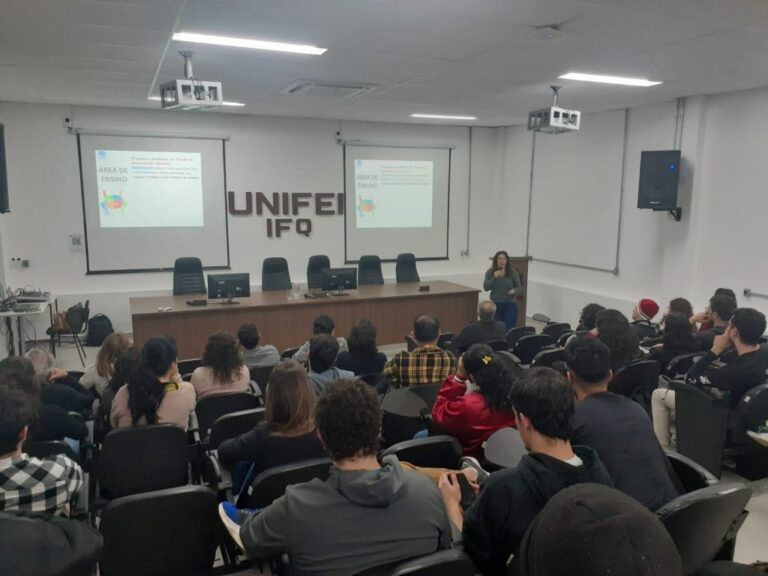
(510,499)
(593,530)
(642,319)
(617,427)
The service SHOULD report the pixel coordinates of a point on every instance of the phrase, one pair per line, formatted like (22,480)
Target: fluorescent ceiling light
(238,104)
(622,80)
(443,117)
(248,43)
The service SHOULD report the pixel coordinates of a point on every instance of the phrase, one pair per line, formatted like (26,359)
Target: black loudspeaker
(659,178)
(3,174)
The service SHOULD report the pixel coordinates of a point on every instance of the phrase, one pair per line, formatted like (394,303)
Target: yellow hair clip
(487,359)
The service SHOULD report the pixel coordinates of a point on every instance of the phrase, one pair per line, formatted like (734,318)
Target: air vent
(325,89)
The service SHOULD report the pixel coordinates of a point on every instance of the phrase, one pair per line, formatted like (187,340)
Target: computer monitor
(339,279)
(229,286)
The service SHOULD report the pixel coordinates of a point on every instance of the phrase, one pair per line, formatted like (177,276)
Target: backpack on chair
(99,327)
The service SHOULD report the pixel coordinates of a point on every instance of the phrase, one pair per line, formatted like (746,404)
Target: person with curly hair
(612,329)
(588,317)
(222,370)
(366,514)
(473,403)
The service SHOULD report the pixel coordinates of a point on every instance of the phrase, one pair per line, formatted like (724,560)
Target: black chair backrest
(702,426)
(691,476)
(430,452)
(504,448)
(528,346)
(444,340)
(405,268)
(637,381)
(275,275)
(498,345)
(315,270)
(211,408)
(514,334)
(444,563)
(702,521)
(142,459)
(173,532)
(752,409)
(427,392)
(48,448)
(547,357)
(288,352)
(188,276)
(188,366)
(271,484)
(260,375)
(402,415)
(372,379)
(369,271)
(556,329)
(410,343)
(233,424)
(679,365)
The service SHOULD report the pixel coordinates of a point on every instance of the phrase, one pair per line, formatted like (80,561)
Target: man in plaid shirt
(30,485)
(427,364)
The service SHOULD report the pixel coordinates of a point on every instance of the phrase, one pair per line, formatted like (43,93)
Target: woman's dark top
(267,450)
(664,354)
(361,364)
(55,423)
(68,394)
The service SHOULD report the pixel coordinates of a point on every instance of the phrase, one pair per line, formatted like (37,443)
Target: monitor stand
(227,301)
(339,292)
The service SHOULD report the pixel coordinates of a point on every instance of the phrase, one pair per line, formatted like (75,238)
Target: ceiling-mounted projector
(554,120)
(189,93)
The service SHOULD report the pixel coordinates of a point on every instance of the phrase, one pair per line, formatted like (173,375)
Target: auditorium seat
(402,410)
(556,329)
(514,334)
(637,380)
(679,365)
(271,484)
(528,346)
(504,449)
(211,408)
(188,276)
(369,271)
(431,452)
(315,270)
(405,268)
(275,275)
(546,358)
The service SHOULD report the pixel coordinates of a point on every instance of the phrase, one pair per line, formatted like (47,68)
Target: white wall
(263,154)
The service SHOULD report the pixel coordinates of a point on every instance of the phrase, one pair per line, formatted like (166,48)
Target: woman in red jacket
(474,403)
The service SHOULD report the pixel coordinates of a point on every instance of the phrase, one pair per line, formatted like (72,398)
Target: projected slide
(148,189)
(393,193)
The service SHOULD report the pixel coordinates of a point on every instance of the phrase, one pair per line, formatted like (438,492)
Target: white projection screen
(150,200)
(396,200)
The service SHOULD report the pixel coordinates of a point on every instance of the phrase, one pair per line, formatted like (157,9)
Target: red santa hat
(647,308)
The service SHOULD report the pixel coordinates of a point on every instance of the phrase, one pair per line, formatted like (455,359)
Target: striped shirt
(425,365)
(31,485)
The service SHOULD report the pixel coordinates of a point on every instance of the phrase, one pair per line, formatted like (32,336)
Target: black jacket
(482,331)
(510,499)
(736,378)
(68,394)
(361,365)
(55,423)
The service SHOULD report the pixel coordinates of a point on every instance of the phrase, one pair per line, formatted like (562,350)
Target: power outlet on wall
(20,262)
(76,242)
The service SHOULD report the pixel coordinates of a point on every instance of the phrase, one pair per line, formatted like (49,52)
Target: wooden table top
(149,306)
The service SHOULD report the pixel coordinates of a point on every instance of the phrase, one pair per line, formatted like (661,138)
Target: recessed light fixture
(599,78)
(237,104)
(443,117)
(248,43)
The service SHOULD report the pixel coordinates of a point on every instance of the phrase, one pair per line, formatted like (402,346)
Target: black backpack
(99,327)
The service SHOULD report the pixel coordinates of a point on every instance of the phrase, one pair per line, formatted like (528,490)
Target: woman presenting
(503,283)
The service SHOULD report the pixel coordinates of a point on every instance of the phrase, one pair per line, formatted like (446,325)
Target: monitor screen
(229,285)
(339,279)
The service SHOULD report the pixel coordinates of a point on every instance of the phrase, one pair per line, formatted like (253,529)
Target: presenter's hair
(249,336)
(495,265)
(362,339)
(426,328)
(290,400)
(145,391)
(223,356)
(323,350)
(348,418)
(114,345)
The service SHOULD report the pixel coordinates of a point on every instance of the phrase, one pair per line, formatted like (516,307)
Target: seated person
(702,321)
(730,382)
(588,317)
(718,313)
(593,530)
(510,499)
(366,514)
(30,485)
(679,306)
(53,422)
(47,546)
(678,339)
(124,365)
(57,387)
(473,403)
(427,364)
(322,325)
(154,393)
(642,319)
(254,355)
(486,329)
(287,433)
(222,370)
(323,350)
(362,357)
(613,330)
(97,376)
(617,427)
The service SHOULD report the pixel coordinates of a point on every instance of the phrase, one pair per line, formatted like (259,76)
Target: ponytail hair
(492,374)
(145,391)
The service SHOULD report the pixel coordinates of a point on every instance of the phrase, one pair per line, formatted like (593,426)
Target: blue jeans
(507,313)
